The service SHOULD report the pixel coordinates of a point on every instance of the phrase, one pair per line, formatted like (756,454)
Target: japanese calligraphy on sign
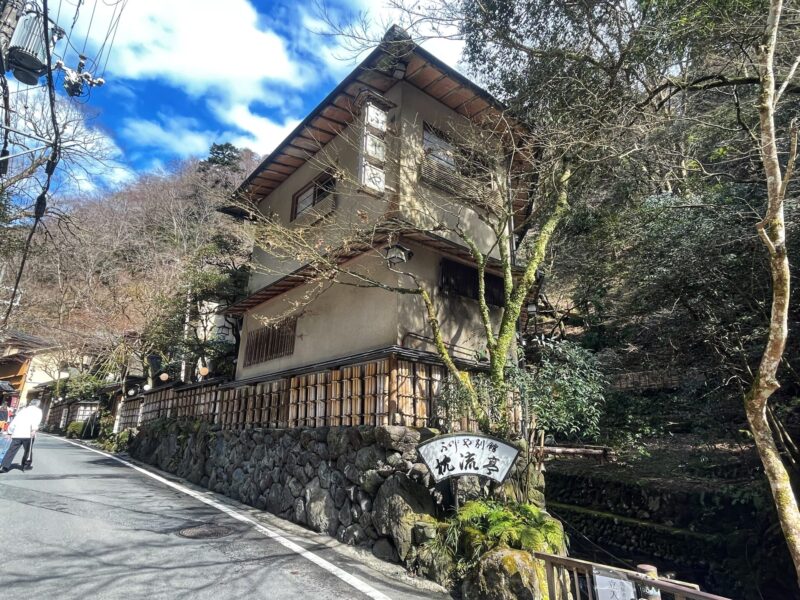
(613,585)
(455,455)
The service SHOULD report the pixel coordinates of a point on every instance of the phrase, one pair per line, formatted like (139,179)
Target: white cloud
(178,135)
(263,134)
(200,46)
(225,55)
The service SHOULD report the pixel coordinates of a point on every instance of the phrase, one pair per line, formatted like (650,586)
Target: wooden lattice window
(438,148)
(270,342)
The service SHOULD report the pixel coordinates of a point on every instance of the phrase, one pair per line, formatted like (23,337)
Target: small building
(27,361)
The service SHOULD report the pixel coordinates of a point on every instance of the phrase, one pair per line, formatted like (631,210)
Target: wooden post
(649,592)
(392,388)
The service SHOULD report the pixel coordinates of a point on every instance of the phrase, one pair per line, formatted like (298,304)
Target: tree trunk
(772,231)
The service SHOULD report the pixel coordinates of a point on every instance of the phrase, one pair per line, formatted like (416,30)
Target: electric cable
(581,534)
(40,206)
(89,28)
(115,26)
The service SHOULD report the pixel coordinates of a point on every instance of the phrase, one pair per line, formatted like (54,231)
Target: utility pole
(9,15)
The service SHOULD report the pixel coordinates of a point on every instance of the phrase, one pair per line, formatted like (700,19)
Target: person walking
(3,415)
(23,429)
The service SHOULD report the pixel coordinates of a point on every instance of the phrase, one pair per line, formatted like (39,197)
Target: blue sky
(183,74)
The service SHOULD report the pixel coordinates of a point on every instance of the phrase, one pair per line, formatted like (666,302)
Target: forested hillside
(127,275)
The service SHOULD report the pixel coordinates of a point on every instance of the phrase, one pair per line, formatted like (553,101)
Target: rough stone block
(383,549)
(399,504)
(370,457)
(321,513)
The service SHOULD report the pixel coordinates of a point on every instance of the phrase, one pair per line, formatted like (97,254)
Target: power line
(41,201)
(581,534)
(89,28)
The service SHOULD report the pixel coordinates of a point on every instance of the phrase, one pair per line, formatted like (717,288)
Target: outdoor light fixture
(398,254)
(146,387)
(203,371)
(399,70)
(131,392)
(164,377)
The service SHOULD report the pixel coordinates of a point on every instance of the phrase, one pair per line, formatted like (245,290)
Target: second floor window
(438,148)
(314,193)
(462,280)
(270,342)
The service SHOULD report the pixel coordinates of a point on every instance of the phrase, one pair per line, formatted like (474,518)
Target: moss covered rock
(504,574)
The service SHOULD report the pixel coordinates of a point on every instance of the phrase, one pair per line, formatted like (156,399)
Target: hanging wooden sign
(459,454)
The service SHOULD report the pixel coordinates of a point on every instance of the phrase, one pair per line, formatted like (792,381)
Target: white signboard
(612,585)
(374,147)
(375,118)
(373,177)
(458,454)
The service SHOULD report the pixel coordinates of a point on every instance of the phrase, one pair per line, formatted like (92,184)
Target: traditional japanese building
(355,354)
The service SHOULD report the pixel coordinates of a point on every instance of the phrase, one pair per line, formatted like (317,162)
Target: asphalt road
(82,525)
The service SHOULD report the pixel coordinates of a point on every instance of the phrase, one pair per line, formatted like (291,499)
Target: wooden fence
(573,579)
(654,380)
(129,413)
(61,414)
(382,392)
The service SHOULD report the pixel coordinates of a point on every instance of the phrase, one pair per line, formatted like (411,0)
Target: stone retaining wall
(724,536)
(363,485)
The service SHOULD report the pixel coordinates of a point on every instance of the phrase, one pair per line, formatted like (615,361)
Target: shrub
(483,525)
(117,442)
(75,429)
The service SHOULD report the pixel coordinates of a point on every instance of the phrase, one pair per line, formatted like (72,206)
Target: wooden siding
(381,392)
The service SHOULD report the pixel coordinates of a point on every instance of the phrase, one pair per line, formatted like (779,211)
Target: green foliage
(106,420)
(117,442)
(85,385)
(482,525)
(629,419)
(75,429)
(561,390)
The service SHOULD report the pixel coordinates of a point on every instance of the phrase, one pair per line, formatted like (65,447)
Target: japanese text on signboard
(468,454)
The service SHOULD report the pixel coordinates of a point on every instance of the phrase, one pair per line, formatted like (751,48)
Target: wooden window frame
(494,284)
(317,184)
(270,342)
(451,165)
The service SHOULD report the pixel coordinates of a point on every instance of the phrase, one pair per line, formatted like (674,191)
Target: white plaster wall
(344,320)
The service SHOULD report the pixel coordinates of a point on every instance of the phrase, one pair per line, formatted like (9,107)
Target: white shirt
(26,422)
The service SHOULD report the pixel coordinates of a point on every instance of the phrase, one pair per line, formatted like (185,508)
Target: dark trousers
(27,458)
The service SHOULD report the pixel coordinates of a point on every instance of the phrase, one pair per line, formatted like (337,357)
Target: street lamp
(146,387)
(397,254)
(164,377)
(203,371)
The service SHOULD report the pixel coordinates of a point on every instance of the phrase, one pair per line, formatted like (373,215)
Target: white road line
(352,580)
